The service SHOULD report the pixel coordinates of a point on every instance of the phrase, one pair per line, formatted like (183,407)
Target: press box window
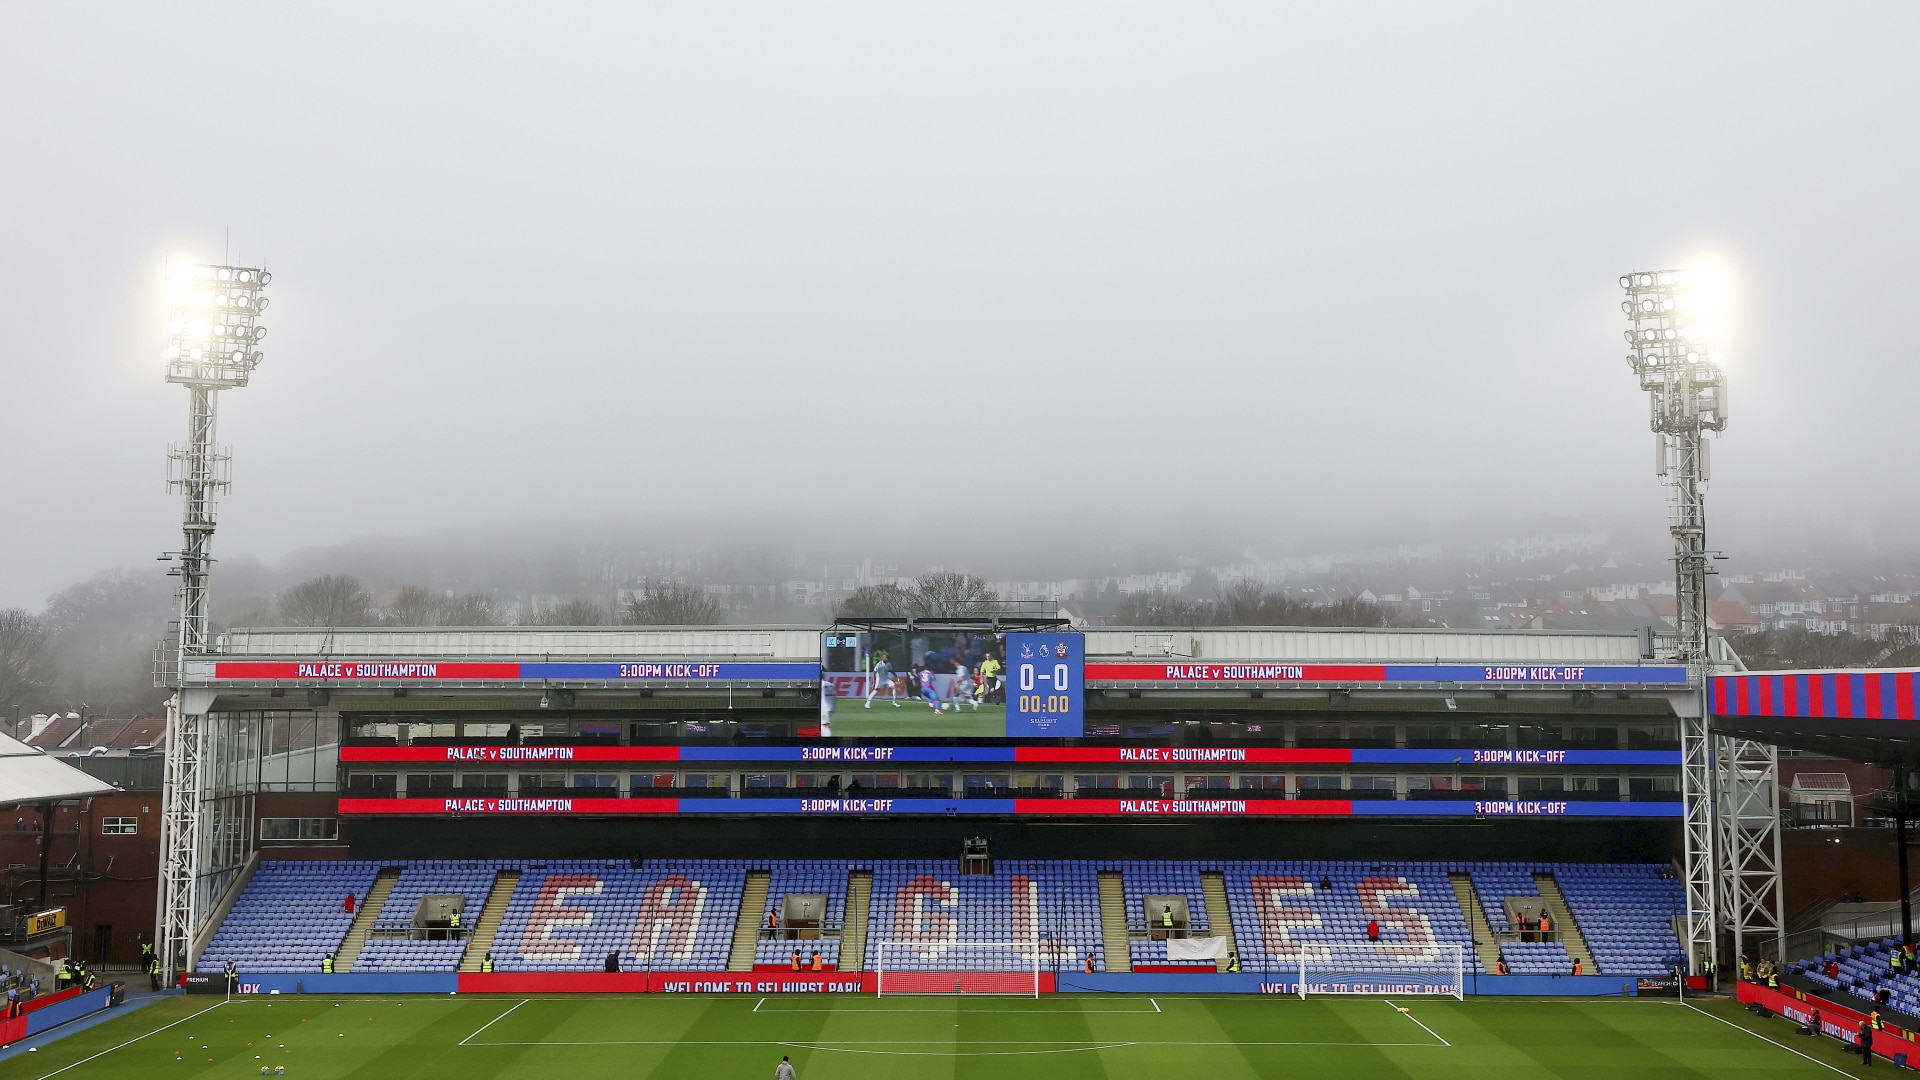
(119,826)
(295,829)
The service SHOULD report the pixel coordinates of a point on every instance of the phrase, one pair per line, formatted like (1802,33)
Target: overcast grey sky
(1313,262)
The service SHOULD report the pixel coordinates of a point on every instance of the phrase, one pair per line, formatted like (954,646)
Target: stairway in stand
(1571,938)
(363,918)
(1113,921)
(1213,887)
(480,942)
(1484,944)
(746,928)
(853,934)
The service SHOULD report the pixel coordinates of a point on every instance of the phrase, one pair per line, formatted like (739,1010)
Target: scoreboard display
(1046,698)
(952,683)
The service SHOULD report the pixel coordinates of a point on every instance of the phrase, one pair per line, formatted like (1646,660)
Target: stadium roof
(30,776)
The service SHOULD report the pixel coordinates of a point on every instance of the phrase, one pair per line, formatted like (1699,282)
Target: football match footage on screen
(952,683)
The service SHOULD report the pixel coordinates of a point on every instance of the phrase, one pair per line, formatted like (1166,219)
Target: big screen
(951,683)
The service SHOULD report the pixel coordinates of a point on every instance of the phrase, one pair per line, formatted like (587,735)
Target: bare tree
(948,593)
(473,609)
(414,605)
(334,600)
(875,600)
(573,611)
(673,603)
(23,659)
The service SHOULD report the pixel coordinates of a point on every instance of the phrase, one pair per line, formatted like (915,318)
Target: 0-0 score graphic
(1046,697)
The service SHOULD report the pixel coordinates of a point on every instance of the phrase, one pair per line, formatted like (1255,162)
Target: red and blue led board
(842,806)
(1833,695)
(1046,691)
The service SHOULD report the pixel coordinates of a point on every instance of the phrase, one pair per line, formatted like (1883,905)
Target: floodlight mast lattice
(212,345)
(1732,857)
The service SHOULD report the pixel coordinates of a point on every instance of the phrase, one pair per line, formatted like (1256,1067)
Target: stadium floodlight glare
(213,325)
(1677,325)
(213,337)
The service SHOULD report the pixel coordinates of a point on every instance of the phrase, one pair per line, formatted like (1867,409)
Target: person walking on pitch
(784,1070)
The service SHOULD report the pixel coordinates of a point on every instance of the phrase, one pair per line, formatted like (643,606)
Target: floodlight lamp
(226,274)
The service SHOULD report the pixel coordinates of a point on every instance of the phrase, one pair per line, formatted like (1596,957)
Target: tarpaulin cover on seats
(1196,948)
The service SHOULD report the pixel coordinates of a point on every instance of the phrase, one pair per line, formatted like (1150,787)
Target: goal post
(1006,968)
(1382,969)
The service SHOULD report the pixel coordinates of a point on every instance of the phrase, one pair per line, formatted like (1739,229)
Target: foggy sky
(1065,266)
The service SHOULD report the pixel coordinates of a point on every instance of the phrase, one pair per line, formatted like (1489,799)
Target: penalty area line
(492,1022)
(1423,1027)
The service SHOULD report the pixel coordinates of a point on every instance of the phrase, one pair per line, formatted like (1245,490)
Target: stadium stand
(1285,905)
(929,903)
(799,876)
(290,915)
(681,915)
(391,950)
(666,915)
(1626,913)
(1143,879)
(1863,970)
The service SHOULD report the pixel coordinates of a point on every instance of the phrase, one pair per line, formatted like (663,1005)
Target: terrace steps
(1213,888)
(363,918)
(1484,945)
(1570,937)
(487,927)
(746,929)
(853,932)
(1113,921)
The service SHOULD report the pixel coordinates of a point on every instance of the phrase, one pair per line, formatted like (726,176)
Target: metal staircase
(1570,937)
(1213,888)
(480,942)
(1484,945)
(1113,922)
(363,919)
(746,929)
(853,933)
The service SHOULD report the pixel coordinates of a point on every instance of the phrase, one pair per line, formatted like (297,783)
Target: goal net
(958,967)
(1382,969)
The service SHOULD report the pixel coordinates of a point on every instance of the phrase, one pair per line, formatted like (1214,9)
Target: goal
(958,967)
(1382,969)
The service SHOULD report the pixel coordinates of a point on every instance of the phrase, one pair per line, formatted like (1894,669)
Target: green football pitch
(852,719)
(857,1037)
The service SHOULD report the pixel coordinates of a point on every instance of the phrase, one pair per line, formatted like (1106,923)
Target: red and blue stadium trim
(854,807)
(1838,695)
(839,754)
(425,670)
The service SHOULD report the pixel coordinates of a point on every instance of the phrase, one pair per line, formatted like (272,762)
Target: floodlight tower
(213,345)
(1728,786)
(1676,357)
